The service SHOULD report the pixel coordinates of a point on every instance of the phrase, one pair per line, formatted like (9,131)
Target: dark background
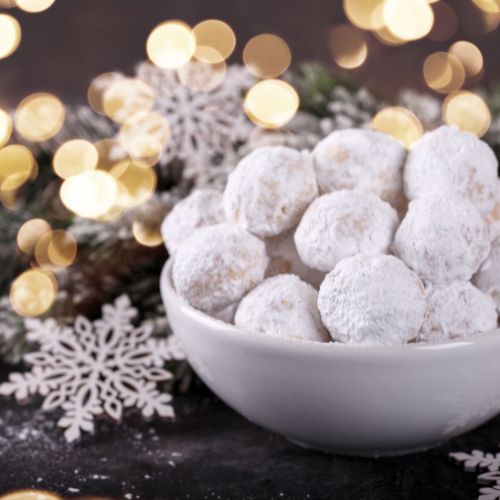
(64,47)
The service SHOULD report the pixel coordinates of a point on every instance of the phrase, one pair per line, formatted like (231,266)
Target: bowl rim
(228,331)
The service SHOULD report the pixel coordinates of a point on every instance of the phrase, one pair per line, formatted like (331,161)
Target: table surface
(210,452)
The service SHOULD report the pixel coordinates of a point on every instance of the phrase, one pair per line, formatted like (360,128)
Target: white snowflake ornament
(205,124)
(477,460)
(96,368)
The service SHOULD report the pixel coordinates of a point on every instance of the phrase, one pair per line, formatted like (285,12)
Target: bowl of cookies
(346,298)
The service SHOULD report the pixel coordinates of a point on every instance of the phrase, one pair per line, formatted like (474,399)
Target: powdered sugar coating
(283,306)
(443,238)
(448,159)
(203,207)
(269,190)
(456,311)
(372,300)
(487,278)
(284,259)
(218,265)
(361,159)
(344,223)
(493,218)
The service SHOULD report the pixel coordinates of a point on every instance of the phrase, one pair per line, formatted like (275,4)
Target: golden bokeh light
(400,123)
(34,6)
(200,76)
(467,111)
(144,136)
(490,6)
(97,88)
(110,152)
(5,127)
(75,157)
(443,72)
(16,166)
(55,249)
(216,35)
(171,44)
(90,194)
(490,21)
(267,55)
(7,4)
(29,234)
(347,46)
(137,183)
(10,35)
(39,117)
(365,14)
(445,22)
(271,103)
(386,37)
(408,19)
(127,96)
(469,55)
(147,235)
(32,293)
(30,495)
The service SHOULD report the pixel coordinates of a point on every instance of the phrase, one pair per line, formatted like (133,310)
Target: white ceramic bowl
(349,399)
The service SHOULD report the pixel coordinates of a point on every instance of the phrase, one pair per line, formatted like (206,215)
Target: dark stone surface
(210,452)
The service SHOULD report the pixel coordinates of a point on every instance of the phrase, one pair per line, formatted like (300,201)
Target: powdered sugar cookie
(443,238)
(456,311)
(283,306)
(344,223)
(269,190)
(218,265)
(203,207)
(449,160)
(372,300)
(361,159)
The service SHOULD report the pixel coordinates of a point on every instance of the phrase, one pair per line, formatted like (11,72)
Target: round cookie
(487,278)
(269,190)
(372,300)
(344,223)
(218,265)
(456,311)
(448,160)
(284,259)
(443,238)
(283,306)
(361,159)
(203,207)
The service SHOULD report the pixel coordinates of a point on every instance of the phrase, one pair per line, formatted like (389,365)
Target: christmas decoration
(95,368)
(488,462)
(205,126)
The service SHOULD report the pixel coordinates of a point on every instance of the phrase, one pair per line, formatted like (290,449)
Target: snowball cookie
(447,159)
(283,306)
(456,311)
(443,238)
(217,265)
(344,223)
(372,300)
(361,159)
(487,278)
(203,207)
(284,259)
(269,190)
